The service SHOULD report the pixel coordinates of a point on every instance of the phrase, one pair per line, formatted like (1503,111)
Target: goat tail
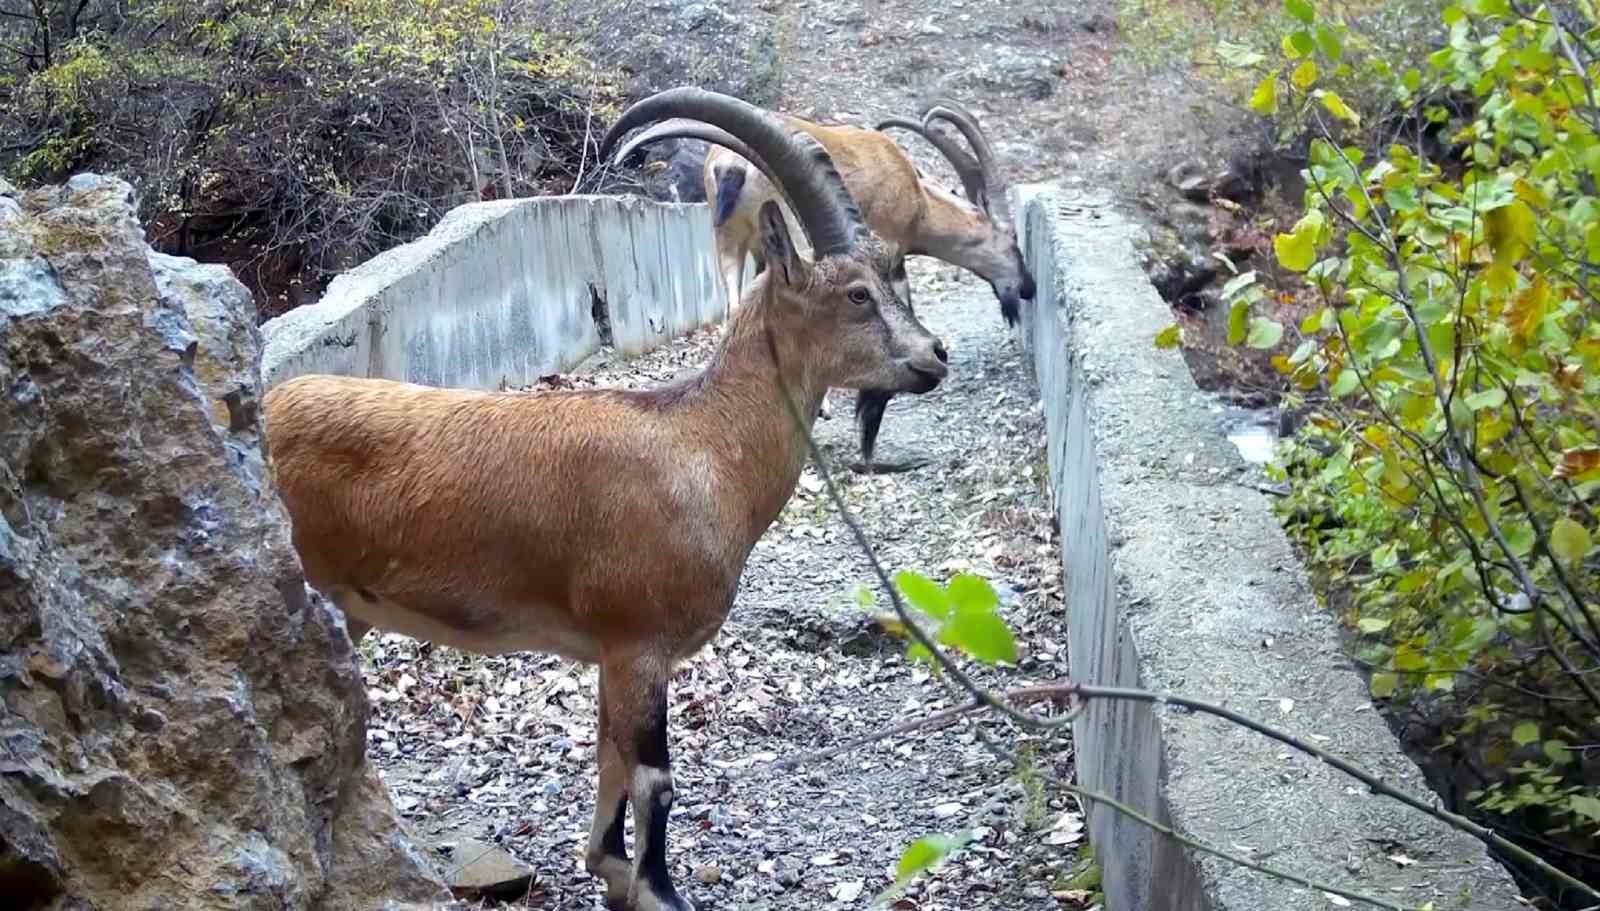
(730,182)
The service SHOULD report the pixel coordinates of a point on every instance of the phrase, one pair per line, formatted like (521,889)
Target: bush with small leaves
(1448,475)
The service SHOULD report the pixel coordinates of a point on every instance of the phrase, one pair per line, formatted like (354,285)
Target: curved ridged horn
(680,128)
(798,164)
(962,119)
(967,167)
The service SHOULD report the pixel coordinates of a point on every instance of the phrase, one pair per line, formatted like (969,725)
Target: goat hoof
(648,899)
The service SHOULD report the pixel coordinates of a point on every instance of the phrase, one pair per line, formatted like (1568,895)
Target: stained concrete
(1179,578)
(500,293)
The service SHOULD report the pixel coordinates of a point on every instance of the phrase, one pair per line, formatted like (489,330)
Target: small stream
(1253,431)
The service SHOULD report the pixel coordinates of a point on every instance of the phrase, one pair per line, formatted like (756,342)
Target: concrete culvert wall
(1179,578)
(502,293)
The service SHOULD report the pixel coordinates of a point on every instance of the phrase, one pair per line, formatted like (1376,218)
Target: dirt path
(502,749)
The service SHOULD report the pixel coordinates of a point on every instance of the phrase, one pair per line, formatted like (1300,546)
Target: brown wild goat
(912,213)
(607,526)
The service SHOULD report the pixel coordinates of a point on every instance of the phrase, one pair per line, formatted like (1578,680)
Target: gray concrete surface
(504,292)
(1179,579)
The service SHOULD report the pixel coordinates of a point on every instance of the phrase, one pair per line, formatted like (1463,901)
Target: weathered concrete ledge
(504,292)
(1179,578)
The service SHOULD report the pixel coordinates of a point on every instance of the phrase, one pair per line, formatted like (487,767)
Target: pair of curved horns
(797,164)
(979,175)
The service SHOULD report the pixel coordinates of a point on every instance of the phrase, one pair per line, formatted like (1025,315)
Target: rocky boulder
(180,726)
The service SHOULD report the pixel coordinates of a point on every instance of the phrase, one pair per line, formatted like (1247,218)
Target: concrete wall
(504,292)
(1179,578)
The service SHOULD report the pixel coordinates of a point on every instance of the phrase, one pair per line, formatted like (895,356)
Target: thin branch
(588,118)
(1247,863)
(937,720)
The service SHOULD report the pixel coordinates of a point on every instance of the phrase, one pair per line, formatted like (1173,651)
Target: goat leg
(637,707)
(607,856)
(870,404)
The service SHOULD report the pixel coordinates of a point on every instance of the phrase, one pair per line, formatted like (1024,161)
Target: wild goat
(912,213)
(607,526)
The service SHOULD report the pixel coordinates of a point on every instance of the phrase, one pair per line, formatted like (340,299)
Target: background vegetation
(1447,248)
(293,138)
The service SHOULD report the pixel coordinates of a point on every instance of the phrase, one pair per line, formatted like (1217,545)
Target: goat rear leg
(870,404)
(636,697)
(607,856)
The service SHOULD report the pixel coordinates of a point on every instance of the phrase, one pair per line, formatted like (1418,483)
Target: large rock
(180,727)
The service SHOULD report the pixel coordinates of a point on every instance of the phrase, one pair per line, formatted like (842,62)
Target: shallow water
(1254,432)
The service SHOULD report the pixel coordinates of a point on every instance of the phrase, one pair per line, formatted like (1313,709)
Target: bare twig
(1241,860)
(1062,691)
(583,158)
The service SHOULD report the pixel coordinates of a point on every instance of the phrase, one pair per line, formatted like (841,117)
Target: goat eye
(860,296)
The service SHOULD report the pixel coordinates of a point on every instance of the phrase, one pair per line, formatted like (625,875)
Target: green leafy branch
(1449,471)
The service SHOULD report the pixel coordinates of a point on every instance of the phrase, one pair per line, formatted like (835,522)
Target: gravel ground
(502,749)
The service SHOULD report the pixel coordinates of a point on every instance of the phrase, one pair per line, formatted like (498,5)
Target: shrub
(293,138)
(1450,243)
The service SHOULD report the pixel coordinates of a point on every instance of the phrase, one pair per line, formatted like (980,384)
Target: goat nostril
(940,353)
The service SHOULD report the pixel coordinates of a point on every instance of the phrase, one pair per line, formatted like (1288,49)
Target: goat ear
(777,246)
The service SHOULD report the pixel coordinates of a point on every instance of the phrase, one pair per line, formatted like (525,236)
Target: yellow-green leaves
(1384,684)
(1297,250)
(923,594)
(1169,337)
(1337,107)
(1304,75)
(1569,541)
(1239,55)
(1264,333)
(1486,398)
(966,615)
(1451,359)
(1528,309)
(1510,231)
(925,853)
(1264,100)
(1585,806)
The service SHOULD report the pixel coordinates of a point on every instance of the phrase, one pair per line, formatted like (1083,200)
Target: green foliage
(288,134)
(965,616)
(1449,472)
(926,853)
(1235,43)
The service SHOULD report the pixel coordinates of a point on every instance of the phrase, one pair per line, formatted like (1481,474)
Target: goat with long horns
(912,213)
(605,525)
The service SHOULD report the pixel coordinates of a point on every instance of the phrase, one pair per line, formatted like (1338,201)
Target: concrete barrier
(504,292)
(1179,578)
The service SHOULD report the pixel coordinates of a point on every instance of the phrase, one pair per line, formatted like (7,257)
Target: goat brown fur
(609,526)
